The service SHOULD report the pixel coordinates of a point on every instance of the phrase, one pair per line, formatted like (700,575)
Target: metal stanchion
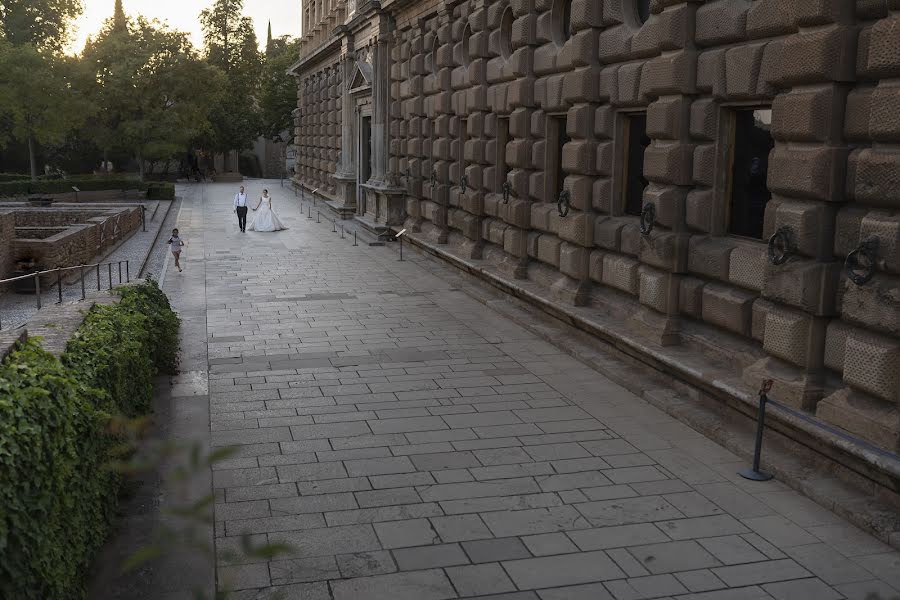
(109,274)
(59,285)
(143,217)
(37,288)
(399,237)
(309,212)
(83,291)
(98,277)
(342,231)
(354,238)
(333,226)
(318,217)
(754,473)
(127,273)
(120,272)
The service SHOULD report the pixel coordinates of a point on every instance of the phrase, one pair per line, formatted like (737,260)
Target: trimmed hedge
(160,190)
(64,186)
(57,492)
(4,177)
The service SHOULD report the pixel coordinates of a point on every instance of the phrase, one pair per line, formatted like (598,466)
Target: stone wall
(7,234)
(513,135)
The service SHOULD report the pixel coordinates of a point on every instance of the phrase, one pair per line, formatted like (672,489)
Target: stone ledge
(862,486)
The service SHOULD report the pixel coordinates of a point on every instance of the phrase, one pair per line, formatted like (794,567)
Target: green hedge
(57,494)
(162,190)
(4,177)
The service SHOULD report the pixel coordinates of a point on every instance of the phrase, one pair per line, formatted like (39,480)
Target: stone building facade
(718,179)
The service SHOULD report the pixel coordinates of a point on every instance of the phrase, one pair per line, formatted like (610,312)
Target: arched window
(434,53)
(506,23)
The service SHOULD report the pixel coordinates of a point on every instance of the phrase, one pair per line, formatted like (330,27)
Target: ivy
(57,490)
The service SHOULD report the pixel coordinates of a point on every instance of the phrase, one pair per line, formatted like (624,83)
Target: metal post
(37,288)
(318,217)
(754,473)
(342,231)
(401,247)
(59,284)
(333,226)
(309,212)
(354,238)
(98,277)
(83,291)
(120,272)
(143,217)
(127,273)
(109,268)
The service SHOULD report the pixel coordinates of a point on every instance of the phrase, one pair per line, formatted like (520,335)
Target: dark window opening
(643,10)
(749,168)
(506,23)
(555,142)
(461,151)
(637,142)
(502,140)
(365,149)
(567,19)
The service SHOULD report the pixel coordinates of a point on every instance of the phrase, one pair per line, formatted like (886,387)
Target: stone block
(669,162)
(884,121)
(836,344)
(579,156)
(727,307)
(605,152)
(872,364)
(548,249)
(704,119)
(873,305)
(580,85)
(805,115)
(627,90)
(747,266)
(669,202)
(621,272)
(690,296)
(667,117)
(886,227)
(578,229)
(811,224)
(601,195)
(810,286)
(704,164)
(540,215)
(698,209)
(711,72)
(608,232)
(816,172)
(573,261)
(792,335)
(671,73)
(883,58)
(710,256)
(630,238)
(515,242)
(742,69)
(665,250)
(873,176)
(604,122)
(579,187)
(722,22)
(658,290)
(818,56)
(760,309)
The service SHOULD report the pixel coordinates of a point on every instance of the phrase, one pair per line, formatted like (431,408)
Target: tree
(279,90)
(39,96)
(154,90)
(42,23)
(231,46)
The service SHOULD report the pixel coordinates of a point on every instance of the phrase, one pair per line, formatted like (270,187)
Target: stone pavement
(409,443)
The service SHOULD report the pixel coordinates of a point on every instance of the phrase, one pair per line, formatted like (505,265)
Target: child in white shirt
(175,244)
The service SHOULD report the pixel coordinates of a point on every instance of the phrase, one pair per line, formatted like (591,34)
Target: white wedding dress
(265,219)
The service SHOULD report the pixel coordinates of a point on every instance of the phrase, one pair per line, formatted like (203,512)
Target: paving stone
(460,528)
(301,570)
(669,557)
(241,577)
(590,591)
(572,481)
(367,441)
(565,569)
(407,425)
(514,502)
(556,451)
(732,550)
(502,456)
(627,563)
(310,472)
(479,580)
(631,510)
(512,471)
(546,544)
(444,460)
(495,550)
(428,557)
(363,564)
(802,589)
(333,486)
(328,541)
(412,585)
(761,572)
(700,527)
(617,537)
(481,489)
(532,521)
(312,504)
(272,524)
(403,534)
(395,512)
(378,466)
(780,531)
(702,580)
(401,480)
(329,430)
(387,497)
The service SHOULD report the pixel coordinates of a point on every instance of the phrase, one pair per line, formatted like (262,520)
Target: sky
(185,16)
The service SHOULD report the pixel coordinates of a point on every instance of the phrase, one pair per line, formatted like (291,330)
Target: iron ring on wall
(648,218)
(563,204)
(781,245)
(867,250)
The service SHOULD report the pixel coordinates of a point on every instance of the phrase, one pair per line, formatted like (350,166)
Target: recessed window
(466,56)
(749,167)
(506,24)
(636,142)
(461,151)
(502,140)
(561,17)
(365,149)
(433,57)
(556,139)
(642,8)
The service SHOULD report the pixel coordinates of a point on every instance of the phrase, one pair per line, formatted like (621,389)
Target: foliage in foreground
(57,490)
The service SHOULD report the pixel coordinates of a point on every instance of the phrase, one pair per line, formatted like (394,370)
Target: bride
(266,219)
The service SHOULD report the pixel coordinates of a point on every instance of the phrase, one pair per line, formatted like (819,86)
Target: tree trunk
(31,158)
(140,161)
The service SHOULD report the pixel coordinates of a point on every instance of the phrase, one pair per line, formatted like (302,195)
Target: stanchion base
(754,475)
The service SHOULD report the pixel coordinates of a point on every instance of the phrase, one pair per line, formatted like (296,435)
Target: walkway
(410,444)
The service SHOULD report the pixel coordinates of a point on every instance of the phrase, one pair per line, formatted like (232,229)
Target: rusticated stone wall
(485,94)
(319,128)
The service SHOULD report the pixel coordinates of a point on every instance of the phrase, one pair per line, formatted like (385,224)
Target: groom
(240,207)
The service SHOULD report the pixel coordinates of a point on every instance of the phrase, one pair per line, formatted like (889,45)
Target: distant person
(266,219)
(176,244)
(240,208)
